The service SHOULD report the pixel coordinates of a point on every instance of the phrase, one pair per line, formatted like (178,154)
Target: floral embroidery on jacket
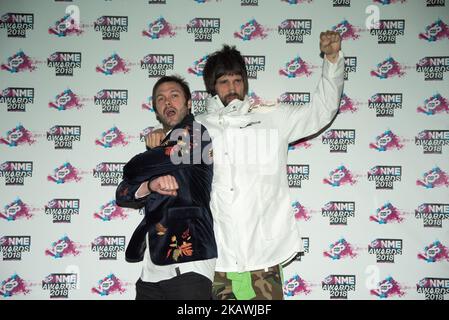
(176,250)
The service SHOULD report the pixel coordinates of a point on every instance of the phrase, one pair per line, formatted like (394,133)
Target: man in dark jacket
(173,183)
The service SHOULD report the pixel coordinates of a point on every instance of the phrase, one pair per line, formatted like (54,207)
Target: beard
(229,97)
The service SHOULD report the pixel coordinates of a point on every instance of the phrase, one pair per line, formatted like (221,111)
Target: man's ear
(189,104)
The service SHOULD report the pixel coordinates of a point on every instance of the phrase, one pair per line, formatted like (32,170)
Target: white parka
(254,223)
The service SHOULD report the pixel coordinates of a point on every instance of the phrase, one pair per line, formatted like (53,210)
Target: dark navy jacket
(180,228)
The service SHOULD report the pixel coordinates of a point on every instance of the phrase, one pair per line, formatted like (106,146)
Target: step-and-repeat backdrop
(371,193)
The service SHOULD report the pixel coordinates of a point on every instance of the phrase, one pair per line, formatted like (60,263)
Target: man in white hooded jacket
(254,224)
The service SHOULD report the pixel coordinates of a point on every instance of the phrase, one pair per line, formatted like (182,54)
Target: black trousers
(187,286)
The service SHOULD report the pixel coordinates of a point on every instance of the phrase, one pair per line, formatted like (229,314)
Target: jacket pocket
(176,237)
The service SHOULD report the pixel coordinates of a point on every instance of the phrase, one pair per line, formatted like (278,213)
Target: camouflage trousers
(263,284)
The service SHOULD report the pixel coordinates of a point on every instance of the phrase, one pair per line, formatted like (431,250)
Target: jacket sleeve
(125,195)
(300,122)
(176,154)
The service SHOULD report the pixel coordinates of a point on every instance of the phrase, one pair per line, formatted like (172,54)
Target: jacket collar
(214,105)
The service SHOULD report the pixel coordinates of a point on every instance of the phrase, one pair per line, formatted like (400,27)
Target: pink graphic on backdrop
(66,100)
(436,31)
(347,30)
(388,288)
(296,68)
(18,63)
(18,136)
(64,173)
(16,210)
(159,28)
(387,214)
(299,145)
(297,1)
(148,105)
(198,66)
(66,26)
(388,69)
(387,141)
(110,211)
(347,104)
(251,30)
(12,286)
(385,2)
(296,286)
(109,285)
(112,138)
(340,176)
(112,65)
(434,105)
(62,248)
(435,252)
(300,211)
(340,249)
(254,99)
(434,178)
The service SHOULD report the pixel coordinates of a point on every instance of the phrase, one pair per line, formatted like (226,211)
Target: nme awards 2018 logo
(110,100)
(350,66)
(385,249)
(338,212)
(63,136)
(295,29)
(433,288)
(432,140)
(339,285)
(110,173)
(433,214)
(339,139)
(60,284)
(296,173)
(15,172)
(253,65)
(385,103)
(157,64)
(17,24)
(203,28)
(12,247)
(296,99)
(64,62)
(16,98)
(111,27)
(385,176)
(433,67)
(62,209)
(108,246)
(387,30)
(199,101)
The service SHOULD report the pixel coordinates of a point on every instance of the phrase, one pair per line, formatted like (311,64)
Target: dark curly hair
(227,61)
